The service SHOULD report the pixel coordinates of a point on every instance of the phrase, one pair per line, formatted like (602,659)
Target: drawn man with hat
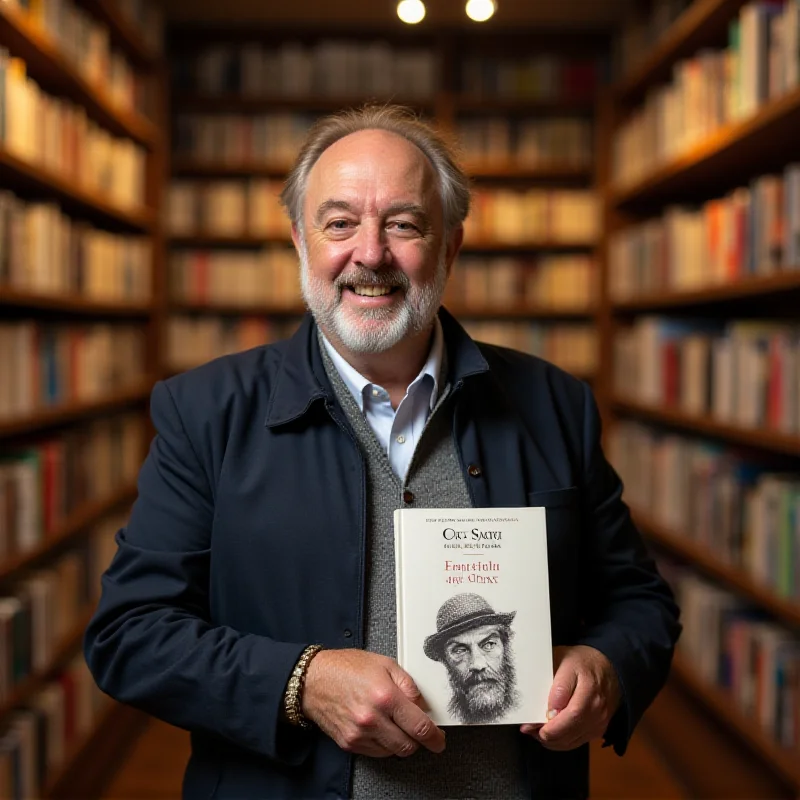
(474,643)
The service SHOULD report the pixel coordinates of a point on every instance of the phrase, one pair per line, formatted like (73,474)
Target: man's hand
(584,696)
(367,704)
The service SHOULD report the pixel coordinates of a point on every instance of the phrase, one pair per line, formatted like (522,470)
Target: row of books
(227,208)
(753,230)
(269,276)
(754,660)
(641,32)
(539,77)
(192,340)
(558,282)
(86,43)
(534,215)
(269,139)
(744,373)
(57,135)
(38,614)
(38,738)
(573,346)
(328,68)
(44,483)
(533,143)
(747,516)
(712,89)
(44,251)
(45,365)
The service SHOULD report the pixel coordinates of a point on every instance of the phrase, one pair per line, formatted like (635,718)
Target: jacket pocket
(564,557)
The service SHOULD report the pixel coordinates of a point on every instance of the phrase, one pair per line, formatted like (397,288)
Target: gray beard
(486,701)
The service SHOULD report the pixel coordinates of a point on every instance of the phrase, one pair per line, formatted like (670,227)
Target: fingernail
(552,713)
(543,734)
(527,729)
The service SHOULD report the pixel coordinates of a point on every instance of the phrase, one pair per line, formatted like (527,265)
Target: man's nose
(370,247)
(479,663)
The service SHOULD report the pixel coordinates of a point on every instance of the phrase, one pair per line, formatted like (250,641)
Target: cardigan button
(474,470)
(347,633)
(408,497)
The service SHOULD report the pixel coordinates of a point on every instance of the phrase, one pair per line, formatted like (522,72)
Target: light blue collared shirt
(397,431)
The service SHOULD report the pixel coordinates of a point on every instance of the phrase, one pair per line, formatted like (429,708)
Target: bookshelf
(700,174)
(62,426)
(453,93)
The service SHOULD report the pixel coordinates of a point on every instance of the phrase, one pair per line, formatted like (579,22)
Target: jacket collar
(301,378)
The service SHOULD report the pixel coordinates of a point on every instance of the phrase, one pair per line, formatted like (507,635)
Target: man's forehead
(472,634)
(371,152)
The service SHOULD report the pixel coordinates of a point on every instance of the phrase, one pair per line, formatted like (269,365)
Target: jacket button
(347,633)
(474,470)
(408,497)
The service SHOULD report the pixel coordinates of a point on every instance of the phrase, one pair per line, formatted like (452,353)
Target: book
(473,612)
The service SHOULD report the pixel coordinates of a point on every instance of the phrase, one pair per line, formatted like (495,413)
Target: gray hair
(453,183)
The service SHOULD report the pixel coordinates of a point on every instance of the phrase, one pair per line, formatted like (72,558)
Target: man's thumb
(564,683)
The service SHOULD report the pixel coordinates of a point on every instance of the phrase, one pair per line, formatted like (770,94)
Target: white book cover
(473,612)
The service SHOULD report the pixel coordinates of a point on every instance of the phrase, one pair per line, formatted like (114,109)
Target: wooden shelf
(522,105)
(242,104)
(192,168)
(123,33)
(784,761)
(55,74)
(59,415)
(17,174)
(762,439)
(743,289)
(73,526)
(210,240)
(493,246)
(28,687)
(521,312)
(702,556)
(511,171)
(704,23)
(233,309)
(72,304)
(730,157)
(91,759)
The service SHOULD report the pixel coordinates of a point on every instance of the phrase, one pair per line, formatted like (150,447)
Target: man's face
(374,258)
(475,653)
(481,674)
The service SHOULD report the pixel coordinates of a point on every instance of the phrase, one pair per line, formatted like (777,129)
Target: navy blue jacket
(247,543)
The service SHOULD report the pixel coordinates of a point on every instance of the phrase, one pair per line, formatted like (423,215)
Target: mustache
(475,679)
(367,277)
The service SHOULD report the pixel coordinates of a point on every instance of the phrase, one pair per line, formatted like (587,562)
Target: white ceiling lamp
(480,10)
(411,11)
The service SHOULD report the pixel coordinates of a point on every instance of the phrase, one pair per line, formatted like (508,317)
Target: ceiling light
(480,10)
(411,11)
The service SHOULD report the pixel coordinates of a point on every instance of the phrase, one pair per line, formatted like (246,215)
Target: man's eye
(490,645)
(403,226)
(339,224)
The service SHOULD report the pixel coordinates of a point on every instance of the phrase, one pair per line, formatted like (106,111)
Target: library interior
(144,145)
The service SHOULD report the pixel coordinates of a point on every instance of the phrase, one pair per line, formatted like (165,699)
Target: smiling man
(252,598)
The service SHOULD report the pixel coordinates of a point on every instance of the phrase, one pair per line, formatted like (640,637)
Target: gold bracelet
(294,688)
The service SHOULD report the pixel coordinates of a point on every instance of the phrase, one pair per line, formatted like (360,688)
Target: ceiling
(381,13)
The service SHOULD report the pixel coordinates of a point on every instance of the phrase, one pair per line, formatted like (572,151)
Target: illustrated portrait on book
(473,642)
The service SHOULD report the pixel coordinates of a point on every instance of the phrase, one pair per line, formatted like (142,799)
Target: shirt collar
(357,383)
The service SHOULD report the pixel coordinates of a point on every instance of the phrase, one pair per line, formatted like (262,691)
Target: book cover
(473,612)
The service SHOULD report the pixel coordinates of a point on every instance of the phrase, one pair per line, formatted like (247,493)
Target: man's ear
(296,234)
(454,241)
